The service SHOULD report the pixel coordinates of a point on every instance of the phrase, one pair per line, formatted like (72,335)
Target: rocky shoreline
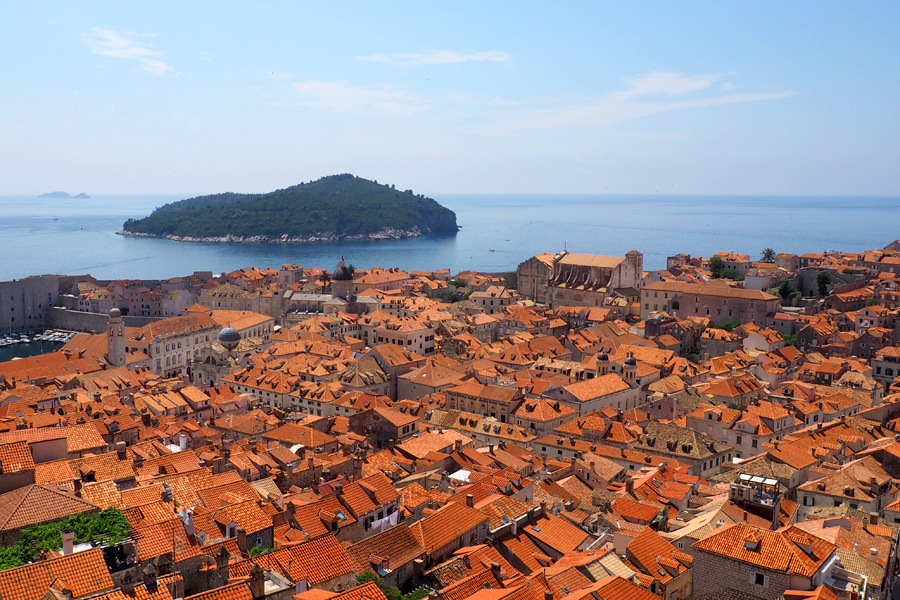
(384,234)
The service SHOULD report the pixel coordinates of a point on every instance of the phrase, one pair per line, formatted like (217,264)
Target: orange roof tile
(84,573)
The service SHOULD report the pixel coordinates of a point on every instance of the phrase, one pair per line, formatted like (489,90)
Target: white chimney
(68,539)
(182,441)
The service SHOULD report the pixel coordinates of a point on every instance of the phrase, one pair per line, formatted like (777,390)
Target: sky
(774,98)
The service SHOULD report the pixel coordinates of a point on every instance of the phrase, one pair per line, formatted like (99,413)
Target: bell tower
(115,338)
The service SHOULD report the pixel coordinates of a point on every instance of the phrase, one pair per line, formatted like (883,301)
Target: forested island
(332,208)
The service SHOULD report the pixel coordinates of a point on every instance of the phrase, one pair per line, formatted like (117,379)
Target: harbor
(31,343)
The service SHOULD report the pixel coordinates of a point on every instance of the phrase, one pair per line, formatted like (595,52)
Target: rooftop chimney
(242,541)
(470,500)
(150,578)
(257,582)
(222,563)
(128,584)
(68,540)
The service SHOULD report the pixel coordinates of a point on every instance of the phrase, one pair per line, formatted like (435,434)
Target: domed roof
(342,273)
(115,313)
(603,357)
(630,360)
(229,335)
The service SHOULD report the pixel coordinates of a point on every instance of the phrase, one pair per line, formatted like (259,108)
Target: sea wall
(74,320)
(23,302)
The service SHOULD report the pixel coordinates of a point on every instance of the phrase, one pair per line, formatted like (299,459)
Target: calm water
(30,349)
(67,236)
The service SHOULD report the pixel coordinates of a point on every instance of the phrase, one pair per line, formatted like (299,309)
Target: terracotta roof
(656,556)
(34,504)
(446,524)
(164,538)
(556,533)
(79,438)
(233,591)
(397,546)
(597,387)
(526,551)
(365,495)
(317,561)
(774,550)
(366,591)
(15,457)
(84,573)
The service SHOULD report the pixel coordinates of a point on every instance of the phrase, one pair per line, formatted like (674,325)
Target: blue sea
(69,236)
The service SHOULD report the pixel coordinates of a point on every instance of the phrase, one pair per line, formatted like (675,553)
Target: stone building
(24,302)
(534,278)
(172,343)
(716,302)
(589,279)
(569,279)
(760,564)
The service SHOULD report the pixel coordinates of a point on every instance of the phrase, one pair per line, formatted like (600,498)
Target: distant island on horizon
(337,207)
(59,194)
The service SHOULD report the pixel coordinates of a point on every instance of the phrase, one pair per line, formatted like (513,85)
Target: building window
(760,579)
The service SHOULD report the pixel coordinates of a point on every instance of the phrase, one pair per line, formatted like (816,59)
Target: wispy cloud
(107,42)
(337,96)
(437,57)
(646,95)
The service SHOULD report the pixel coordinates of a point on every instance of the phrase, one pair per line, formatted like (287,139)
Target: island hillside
(331,208)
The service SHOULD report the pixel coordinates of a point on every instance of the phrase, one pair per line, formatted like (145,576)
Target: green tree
(784,290)
(768,255)
(715,266)
(731,274)
(325,278)
(822,281)
(102,529)
(871,302)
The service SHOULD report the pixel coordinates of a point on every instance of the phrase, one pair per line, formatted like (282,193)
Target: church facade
(571,279)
